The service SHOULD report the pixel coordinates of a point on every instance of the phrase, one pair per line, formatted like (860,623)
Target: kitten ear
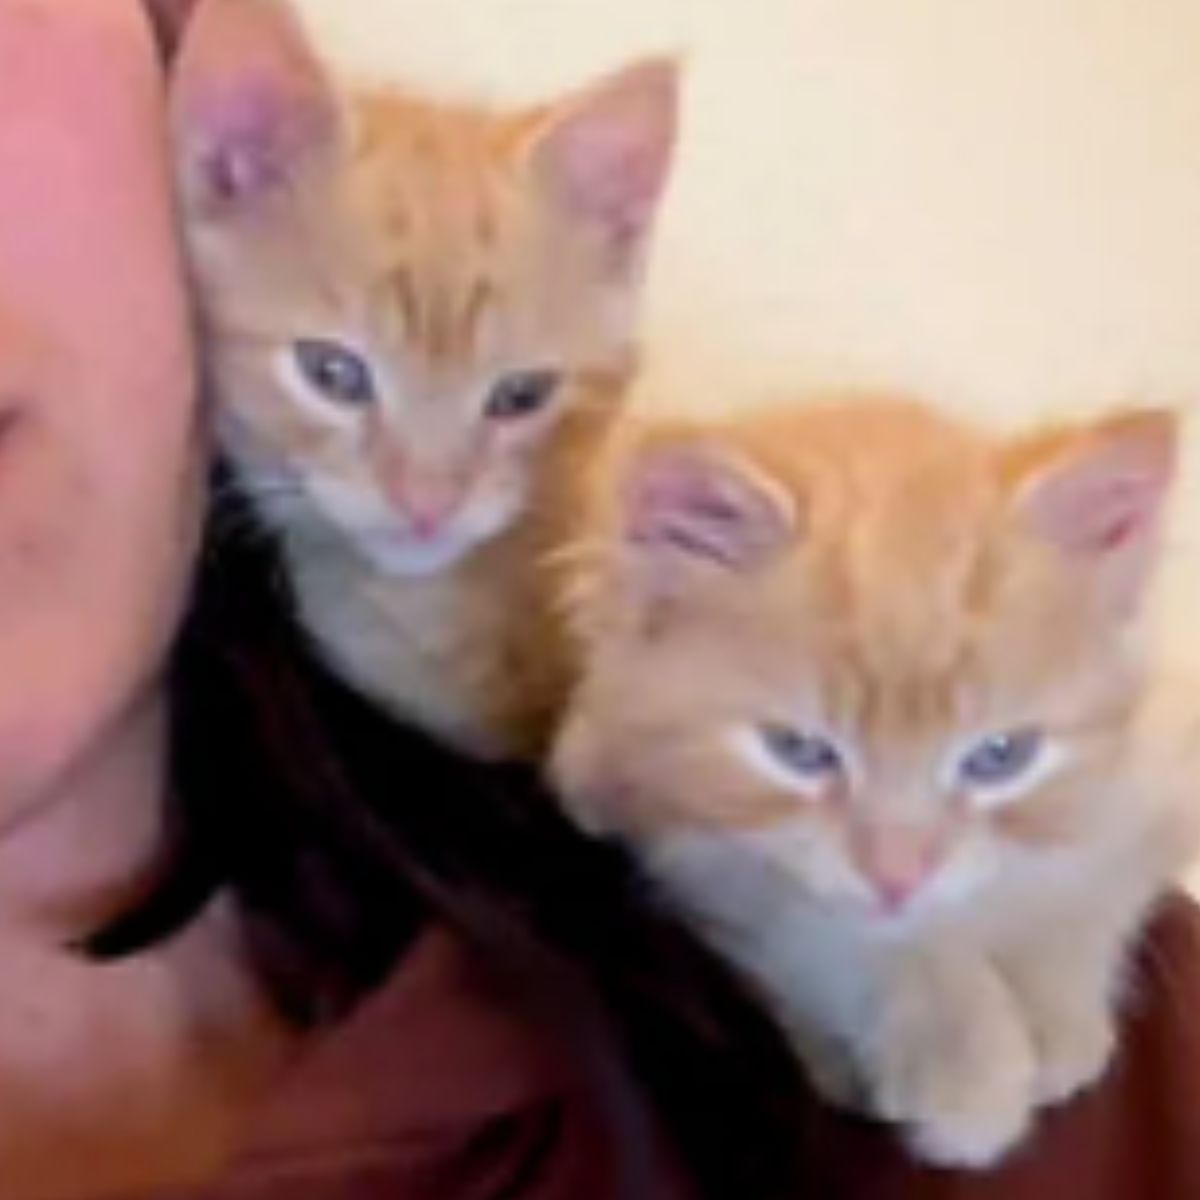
(698,505)
(604,155)
(251,105)
(1098,495)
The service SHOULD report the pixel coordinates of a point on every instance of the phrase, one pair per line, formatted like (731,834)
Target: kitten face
(406,301)
(887,658)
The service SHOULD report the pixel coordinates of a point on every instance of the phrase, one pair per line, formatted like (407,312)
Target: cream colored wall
(997,199)
(996,202)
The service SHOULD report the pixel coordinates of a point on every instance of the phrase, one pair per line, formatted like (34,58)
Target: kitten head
(891,657)
(407,302)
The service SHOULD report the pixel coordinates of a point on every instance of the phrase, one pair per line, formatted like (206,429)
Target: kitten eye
(521,394)
(337,372)
(807,755)
(1001,758)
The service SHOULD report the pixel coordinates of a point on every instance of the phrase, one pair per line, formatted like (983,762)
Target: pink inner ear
(1101,519)
(698,507)
(1109,495)
(250,103)
(250,144)
(607,157)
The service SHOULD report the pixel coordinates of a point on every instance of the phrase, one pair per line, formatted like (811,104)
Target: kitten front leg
(1067,978)
(950,1059)
(1075,1038)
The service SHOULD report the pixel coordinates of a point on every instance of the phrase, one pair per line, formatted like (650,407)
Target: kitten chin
(398,559)
(396,556)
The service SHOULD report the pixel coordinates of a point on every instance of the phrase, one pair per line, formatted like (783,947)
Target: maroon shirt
(431,1093)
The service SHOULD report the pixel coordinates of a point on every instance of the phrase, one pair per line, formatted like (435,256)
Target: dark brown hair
(341,833)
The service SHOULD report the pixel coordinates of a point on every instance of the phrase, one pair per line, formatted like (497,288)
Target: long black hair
(341,833)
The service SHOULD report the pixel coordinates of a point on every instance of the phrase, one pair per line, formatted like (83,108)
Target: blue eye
(337,372)
(1001,758)
(806,755)
(522,394)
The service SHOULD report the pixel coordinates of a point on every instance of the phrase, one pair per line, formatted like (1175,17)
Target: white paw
(957,1111)
(1074,1049)
(969,1139)
(957,1071)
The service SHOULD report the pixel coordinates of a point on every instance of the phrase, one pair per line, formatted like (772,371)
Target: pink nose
(426,515)
(897,862)
(896,893)
(427,505)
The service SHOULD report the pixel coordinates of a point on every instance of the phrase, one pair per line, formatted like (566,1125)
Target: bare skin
(128,1075)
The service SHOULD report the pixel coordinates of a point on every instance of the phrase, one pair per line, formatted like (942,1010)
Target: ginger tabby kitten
(862,685)
(417,317)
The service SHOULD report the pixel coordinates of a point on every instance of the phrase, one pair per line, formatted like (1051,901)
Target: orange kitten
(862,685)
(416,315)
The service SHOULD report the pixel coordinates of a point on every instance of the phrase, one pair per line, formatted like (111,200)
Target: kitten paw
(968,1141)
(959,1077)
(1074,1051)
(958,1117)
